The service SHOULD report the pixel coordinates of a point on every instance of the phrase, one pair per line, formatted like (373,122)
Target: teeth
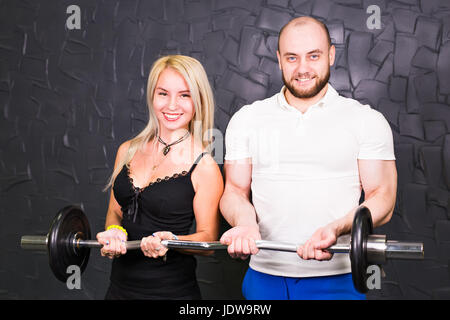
(172,116)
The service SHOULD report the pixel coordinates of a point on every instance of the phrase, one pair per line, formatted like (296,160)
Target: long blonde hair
(195,76)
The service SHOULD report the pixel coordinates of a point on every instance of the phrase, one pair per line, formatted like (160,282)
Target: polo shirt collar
(326,100)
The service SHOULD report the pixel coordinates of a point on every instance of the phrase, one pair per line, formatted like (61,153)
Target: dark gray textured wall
(69,97)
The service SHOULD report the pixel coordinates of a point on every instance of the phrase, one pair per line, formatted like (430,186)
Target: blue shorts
(262,286)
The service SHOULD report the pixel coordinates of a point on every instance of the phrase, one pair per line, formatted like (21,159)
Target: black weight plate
(362,227)
(69,221)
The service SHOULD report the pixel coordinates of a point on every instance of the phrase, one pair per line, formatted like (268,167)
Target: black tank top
(164,205)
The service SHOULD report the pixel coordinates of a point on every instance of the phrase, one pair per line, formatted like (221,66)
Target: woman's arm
(112,240)
(208,185)
(114,213)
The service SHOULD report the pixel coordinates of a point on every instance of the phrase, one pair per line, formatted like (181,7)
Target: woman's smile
(172,116)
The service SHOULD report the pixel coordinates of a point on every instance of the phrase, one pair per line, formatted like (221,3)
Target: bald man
(295,166)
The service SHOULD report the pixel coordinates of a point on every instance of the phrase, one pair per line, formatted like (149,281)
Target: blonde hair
(195,76)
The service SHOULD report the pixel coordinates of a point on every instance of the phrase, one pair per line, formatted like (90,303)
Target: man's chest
(315,143)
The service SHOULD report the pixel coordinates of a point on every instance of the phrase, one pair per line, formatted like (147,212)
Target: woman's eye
(185,95)
(162,93)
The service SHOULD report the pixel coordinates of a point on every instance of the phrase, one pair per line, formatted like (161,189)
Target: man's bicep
(377,175)
(238,175)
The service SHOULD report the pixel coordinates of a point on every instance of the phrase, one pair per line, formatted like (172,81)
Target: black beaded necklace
(167,146)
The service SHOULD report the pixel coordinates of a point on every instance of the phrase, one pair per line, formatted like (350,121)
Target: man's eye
(292,59)
(314,56)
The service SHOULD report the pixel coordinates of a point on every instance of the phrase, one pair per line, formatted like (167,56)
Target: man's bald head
(301,21)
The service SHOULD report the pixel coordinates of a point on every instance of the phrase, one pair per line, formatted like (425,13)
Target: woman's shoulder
(123,149)
(207,165)
(207,174)
(124,146)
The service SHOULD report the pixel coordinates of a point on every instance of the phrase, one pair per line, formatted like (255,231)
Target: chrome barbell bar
(378,248)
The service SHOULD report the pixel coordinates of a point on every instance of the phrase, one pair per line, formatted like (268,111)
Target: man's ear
(279,59)
(332,54)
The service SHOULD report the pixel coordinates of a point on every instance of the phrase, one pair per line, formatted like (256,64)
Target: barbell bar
(68,243)
(406,250)
(378,248)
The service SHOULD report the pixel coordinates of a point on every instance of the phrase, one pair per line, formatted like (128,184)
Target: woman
(162,179)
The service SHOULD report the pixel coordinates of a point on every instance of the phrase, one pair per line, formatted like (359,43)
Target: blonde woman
(163,179)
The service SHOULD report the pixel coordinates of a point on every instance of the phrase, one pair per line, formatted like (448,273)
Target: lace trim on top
(166,178)
(132,210)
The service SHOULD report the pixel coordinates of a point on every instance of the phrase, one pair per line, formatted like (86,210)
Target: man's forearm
(237,209)
(381,205)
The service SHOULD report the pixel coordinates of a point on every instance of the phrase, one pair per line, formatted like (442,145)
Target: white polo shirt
(305,170)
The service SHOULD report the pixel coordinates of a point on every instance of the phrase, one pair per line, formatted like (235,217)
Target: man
(303,156)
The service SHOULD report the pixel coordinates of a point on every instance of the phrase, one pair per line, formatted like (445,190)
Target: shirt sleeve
(237,145)
(376,137)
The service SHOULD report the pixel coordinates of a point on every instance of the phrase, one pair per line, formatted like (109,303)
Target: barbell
(68,243)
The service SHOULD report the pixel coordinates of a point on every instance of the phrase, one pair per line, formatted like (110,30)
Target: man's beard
(310,93)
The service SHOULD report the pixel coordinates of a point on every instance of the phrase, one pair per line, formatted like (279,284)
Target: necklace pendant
(166,150)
